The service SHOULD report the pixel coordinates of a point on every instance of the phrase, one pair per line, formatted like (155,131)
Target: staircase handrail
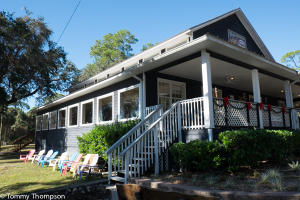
(149,128)
(128,134)
(21,137)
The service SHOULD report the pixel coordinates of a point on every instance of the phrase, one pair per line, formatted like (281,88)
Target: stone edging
(224,195)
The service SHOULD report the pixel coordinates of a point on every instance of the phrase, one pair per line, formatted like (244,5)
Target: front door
(170,92)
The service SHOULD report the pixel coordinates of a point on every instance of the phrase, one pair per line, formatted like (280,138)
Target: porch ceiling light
(231,78)
(281,90)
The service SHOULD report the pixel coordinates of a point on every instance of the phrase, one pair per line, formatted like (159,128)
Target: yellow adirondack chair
(55,162)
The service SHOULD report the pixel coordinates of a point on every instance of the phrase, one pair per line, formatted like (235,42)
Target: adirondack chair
(85,168)
(71,164)
(85,162)
(92,171)
(47,160)
(38,159)
(61,163)
(54,162)
(25,157)
(37,155)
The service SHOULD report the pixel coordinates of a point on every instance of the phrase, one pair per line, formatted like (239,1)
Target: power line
(69,21)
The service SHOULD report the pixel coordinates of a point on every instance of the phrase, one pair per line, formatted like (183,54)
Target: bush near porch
(103,136)
(237,148)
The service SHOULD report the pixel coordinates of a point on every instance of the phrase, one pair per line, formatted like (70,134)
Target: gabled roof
(246,24)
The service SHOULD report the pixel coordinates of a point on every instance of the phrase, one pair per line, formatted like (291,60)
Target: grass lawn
(17,178)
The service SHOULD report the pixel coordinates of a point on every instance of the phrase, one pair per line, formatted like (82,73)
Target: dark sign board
(236,39)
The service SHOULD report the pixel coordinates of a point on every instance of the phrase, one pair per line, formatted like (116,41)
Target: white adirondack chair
(85,169)
(40,154)
(85,161)
(38,159)
(55,162)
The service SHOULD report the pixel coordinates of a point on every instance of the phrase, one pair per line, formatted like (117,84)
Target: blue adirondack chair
(62,162)
(47,160)
(48,155)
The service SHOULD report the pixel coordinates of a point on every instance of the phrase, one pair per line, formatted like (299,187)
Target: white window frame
(50,117)
(119,103)
(81,111)
(66,117)
(43,122)
(102,97)
(36,122)
(171,82)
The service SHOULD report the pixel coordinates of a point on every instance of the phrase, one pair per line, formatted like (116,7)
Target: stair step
(135,165)
(117,178)
(123,172)
(144,159)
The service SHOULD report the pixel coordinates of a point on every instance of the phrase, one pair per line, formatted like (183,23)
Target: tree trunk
(1,129)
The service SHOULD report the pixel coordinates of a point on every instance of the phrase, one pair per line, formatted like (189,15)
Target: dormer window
(140,61)
(162,51)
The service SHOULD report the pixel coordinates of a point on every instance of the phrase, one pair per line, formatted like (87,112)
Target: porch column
(207,94)
(144,96)
(256,94)
(141,95)
(290,104)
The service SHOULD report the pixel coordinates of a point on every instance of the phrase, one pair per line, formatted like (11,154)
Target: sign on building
(236,39)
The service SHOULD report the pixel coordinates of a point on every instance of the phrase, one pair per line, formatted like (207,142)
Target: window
(105,108)
(44,145)
(170,92)
(45,121)
(62,118)
(87,112)
(53,119)
(73,115)
(38,123)
(129,103)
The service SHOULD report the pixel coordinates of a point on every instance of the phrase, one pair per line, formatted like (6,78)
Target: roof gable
(235,21)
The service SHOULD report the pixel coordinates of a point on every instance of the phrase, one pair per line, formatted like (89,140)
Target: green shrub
(101,137)
(197,155)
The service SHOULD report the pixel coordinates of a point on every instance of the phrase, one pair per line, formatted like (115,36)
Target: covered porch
(226,87)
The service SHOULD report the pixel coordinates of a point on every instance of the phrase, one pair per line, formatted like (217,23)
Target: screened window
(105,109)
(45,121)
(129,104)
(38,123)
(73,115)
(87,113)
(62,118)
(53,119)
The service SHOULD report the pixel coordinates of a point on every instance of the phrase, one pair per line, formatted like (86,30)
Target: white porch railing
(114,157)
(149,109)
(147,147)
(192,113)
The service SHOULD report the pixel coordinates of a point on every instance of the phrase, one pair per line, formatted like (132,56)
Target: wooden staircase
(23,141)
(141,147)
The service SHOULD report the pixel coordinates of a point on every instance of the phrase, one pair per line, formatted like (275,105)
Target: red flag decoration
(283,110)
(249,105)
(261,106)
(270,107)
(226,103)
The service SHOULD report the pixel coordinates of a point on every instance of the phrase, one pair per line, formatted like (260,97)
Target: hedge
(237,148)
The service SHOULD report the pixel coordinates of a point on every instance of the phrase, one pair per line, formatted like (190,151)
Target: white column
(207,94)
(141,107)
(290,104)
(256,94)
(144,94)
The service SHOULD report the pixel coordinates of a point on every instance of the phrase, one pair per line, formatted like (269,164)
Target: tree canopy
(30,62)
(147,46)
(110,50)
(292,59)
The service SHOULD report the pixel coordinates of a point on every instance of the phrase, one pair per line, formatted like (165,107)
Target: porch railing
(192,113)
(114,158)
(238,114)
(149,145)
